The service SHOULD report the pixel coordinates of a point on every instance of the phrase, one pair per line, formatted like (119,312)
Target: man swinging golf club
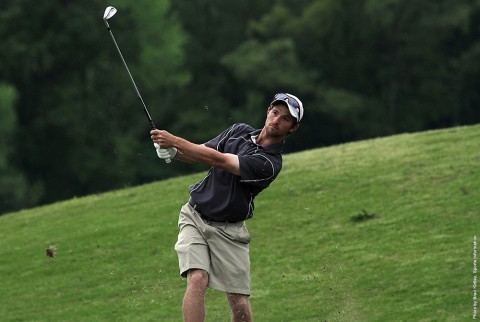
(213,241)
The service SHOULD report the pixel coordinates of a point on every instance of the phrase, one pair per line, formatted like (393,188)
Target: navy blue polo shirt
(223,196)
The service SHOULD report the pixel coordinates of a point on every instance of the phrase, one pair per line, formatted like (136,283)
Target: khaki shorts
(220,249)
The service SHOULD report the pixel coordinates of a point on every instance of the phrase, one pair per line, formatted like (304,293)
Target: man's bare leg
(240,307)
(194,299)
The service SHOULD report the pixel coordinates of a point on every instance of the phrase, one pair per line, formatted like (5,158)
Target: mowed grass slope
(378,230)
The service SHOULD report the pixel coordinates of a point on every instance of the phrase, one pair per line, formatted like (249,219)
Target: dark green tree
(215,97)
(365,68)
(15,191)
(76,108)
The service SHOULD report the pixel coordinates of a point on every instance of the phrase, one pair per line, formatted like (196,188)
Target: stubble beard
(274,132)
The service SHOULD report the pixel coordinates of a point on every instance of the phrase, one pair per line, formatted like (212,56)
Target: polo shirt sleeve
(259,169)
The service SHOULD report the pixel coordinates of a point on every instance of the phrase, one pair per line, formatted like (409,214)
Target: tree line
(71,124)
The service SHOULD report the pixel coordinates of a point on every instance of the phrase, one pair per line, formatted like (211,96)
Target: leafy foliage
(363,68)
(75,103)
(14,188)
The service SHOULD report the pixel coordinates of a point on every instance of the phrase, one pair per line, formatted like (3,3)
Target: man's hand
(163,138)
(165,154)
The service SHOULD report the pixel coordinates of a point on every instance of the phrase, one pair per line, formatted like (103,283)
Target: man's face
(279,121)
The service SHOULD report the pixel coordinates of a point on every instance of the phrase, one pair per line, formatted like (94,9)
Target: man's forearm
(195,153)
(199,153)
(180,156)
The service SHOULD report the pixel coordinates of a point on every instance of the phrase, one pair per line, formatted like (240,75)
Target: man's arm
(197,153)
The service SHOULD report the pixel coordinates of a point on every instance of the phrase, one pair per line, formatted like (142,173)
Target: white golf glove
(165,154)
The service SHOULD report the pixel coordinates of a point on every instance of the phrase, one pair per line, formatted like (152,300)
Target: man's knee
(197,277)
(238,301)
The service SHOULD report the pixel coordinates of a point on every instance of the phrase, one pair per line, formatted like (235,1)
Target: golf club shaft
(131,78)
(133,82)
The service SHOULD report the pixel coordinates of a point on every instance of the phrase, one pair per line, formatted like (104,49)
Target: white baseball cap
(294,104)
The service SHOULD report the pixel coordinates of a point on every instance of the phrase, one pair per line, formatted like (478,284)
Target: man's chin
(273,132)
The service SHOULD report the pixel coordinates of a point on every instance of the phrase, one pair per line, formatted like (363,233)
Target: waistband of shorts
(195,207)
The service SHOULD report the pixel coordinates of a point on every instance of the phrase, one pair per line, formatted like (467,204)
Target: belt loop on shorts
(192,204)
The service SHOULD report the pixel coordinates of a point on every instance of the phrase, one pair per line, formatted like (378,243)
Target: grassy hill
(378,230)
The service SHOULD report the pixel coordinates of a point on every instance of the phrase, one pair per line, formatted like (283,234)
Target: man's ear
(294,128)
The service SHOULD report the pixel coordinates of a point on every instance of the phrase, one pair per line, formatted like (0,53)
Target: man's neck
(264,139)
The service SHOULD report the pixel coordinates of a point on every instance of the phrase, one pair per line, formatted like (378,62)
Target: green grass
(378,230)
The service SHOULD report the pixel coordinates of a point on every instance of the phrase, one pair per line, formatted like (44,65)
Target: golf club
(109,13)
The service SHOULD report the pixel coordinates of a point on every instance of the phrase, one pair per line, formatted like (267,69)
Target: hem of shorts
(184,272)
(222,288)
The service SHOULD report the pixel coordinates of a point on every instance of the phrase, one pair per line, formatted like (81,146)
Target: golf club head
(109,13)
